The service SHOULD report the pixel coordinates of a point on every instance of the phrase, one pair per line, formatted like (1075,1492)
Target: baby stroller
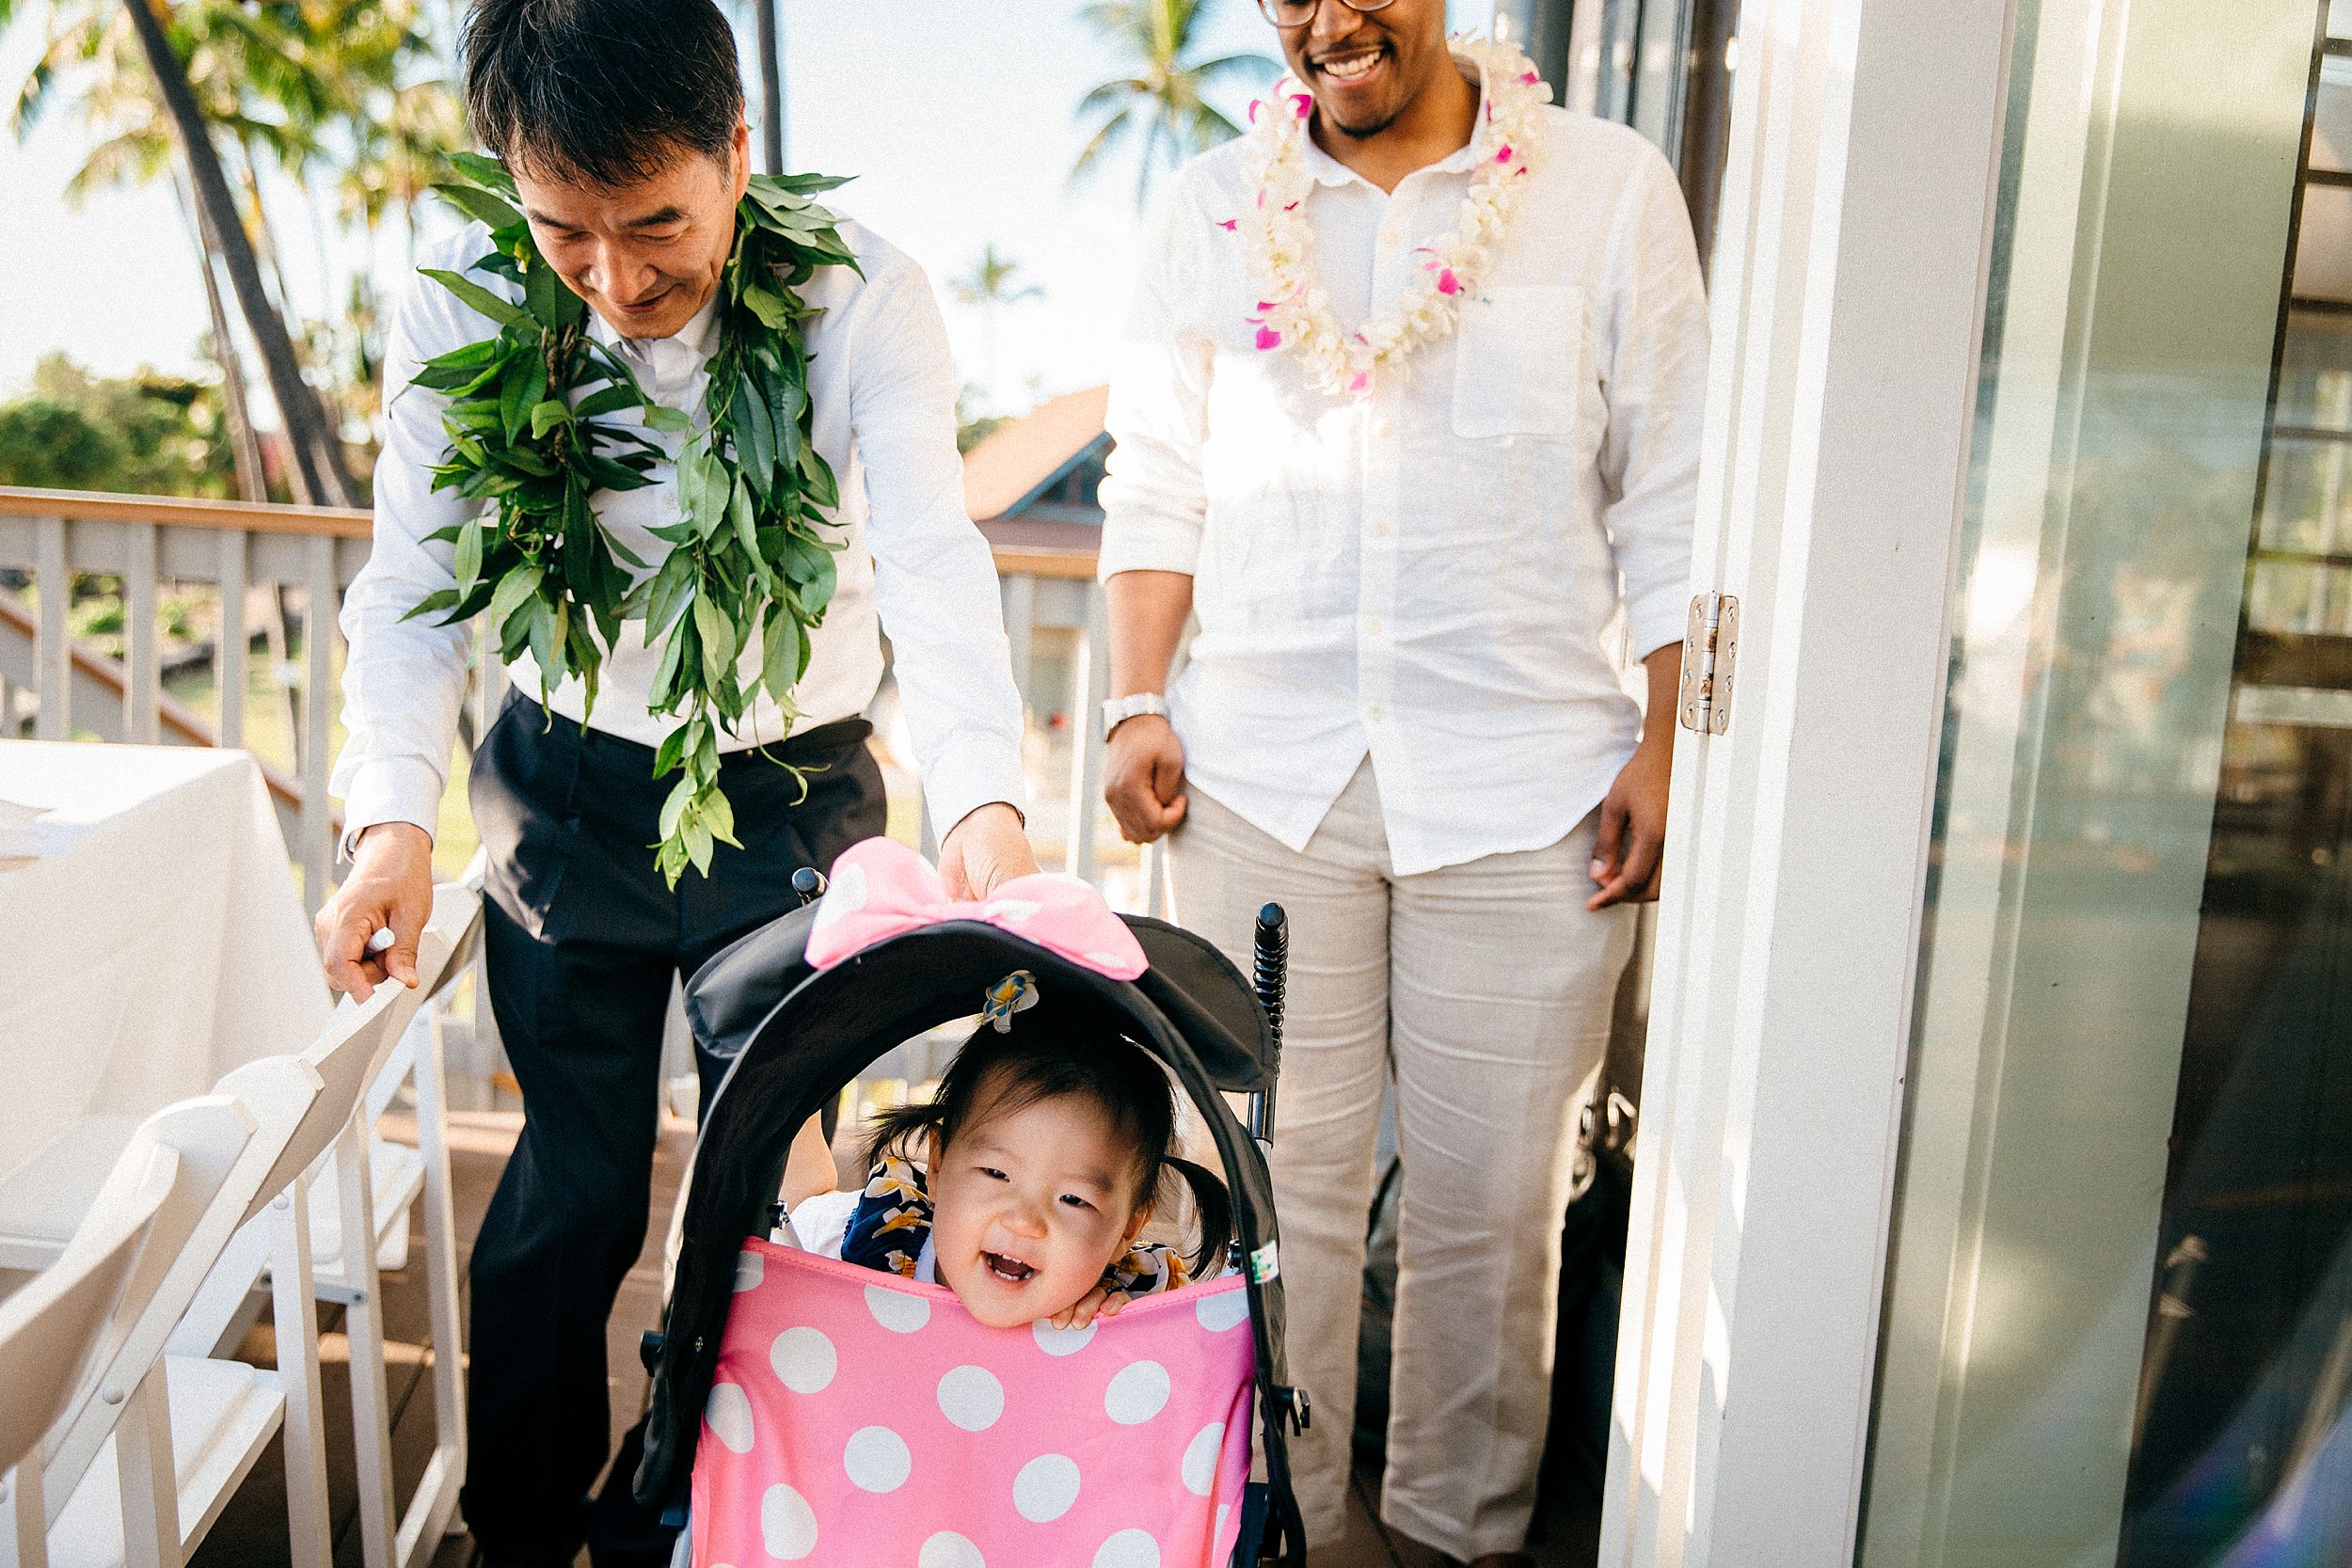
(796,1036)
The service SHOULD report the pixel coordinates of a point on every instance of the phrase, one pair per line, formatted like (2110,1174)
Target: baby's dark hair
(1043,1056)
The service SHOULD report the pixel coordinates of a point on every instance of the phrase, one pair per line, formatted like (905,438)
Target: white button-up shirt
(1451,575)
(883,389)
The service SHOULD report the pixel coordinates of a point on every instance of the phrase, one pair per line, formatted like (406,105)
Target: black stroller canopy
(1190,983)
(797,1036)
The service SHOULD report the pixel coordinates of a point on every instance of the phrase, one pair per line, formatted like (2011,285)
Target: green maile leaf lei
(531,437)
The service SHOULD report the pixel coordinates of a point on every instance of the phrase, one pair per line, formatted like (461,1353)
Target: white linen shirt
(1445,574)
(883,389)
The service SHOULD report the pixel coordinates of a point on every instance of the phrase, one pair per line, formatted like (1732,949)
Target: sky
(957,116)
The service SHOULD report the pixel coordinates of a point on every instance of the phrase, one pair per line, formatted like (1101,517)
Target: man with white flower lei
(1408,416)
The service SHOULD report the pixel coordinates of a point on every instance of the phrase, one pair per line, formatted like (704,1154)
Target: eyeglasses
(1297,13)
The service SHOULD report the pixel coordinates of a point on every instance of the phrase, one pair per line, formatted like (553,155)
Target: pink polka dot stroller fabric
(858,1418)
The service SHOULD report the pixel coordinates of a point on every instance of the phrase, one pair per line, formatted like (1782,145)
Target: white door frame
(1848,308)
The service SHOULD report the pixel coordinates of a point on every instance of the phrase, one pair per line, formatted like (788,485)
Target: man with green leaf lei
(684,441)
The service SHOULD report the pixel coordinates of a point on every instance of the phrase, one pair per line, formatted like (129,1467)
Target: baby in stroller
(976,1359)
(1044,1155)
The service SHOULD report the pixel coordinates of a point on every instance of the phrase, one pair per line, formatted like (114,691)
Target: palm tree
(295,84)
(767,19)
(397,157)
(989,287)
(1164,103)
(115,90)
(318,456)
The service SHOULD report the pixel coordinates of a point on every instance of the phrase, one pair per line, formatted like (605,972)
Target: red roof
(1007,468)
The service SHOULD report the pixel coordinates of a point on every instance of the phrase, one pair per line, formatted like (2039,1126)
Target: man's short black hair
(601,92)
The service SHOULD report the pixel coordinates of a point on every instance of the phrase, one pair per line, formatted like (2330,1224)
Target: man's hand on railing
(1143,777)
(391,885)
(987,848)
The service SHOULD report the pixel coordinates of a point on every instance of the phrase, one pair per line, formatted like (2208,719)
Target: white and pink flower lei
(1295,314)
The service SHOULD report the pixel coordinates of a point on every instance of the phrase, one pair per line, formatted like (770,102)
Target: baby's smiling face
(1030,1205)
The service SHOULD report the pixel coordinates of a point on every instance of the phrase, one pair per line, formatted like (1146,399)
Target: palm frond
(1124,21)
(1252,68)
(1107,93)
(1161,108)
(1147,164)
(132,158)
(1114,131)
(1212,125)
(32,98)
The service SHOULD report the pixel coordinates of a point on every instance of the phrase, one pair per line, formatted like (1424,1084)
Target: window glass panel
(2331,122)
(2302,597)
(2323,259)
(2307,505)
(2107,1264)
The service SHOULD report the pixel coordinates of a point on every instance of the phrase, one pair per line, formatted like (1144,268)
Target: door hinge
(1709,653)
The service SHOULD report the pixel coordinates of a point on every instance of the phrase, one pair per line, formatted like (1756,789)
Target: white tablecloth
(152,932)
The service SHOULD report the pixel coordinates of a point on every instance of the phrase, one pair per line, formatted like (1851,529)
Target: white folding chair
(397,1173)
(184,1432)
(43,1199)
(141,1498)
(54,1329)
(355,1184)
(274,1244)
(389,1536)
(229,1409)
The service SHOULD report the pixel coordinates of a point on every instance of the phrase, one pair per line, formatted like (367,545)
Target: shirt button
(1383,428)
(1379,527)
(1373,624)
(1375,711)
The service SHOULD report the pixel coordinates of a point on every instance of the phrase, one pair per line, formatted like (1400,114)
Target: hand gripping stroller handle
(1270,980)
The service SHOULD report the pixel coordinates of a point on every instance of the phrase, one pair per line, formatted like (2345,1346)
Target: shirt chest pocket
(1518,362)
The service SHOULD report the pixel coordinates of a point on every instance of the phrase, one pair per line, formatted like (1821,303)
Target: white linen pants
(1486,989)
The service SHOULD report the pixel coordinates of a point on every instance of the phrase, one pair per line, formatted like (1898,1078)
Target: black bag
(1591,1292)
(1371,1437)
(1592,1258)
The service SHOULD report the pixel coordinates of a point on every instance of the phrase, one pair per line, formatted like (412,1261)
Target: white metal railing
(248,564)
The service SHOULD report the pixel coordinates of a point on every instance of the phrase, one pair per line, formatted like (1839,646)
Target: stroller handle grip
(1271,980)
(809,883)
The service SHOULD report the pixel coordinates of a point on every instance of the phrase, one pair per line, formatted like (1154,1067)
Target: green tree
(147,434)
(54,446)
(397,156)
(306,87)
(317,451)
(988,288)
(1162,105)
(973,428)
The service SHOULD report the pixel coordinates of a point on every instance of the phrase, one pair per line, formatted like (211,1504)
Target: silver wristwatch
(1118,710)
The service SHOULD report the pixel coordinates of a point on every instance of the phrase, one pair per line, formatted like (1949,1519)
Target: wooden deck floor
(251,1533)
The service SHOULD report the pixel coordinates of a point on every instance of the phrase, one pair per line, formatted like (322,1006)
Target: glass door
(2118,1321)
(2243,1434)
